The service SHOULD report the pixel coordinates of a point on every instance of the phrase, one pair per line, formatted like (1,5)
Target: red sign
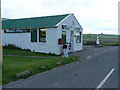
(60,41)
(74,35)
(62,26)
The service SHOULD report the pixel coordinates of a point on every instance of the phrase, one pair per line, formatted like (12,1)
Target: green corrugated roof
(36,22)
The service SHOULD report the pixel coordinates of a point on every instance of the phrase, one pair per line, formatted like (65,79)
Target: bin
(65,51)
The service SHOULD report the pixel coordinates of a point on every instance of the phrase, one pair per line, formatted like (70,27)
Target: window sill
(33,42)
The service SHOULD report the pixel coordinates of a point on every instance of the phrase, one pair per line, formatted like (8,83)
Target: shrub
(14,47)
(11,46)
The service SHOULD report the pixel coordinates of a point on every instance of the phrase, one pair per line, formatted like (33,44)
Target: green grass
(0,76)
(106,40)
(24,53)
(13,65)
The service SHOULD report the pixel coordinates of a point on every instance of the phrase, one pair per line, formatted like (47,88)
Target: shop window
(33,35)
(42,35)
(78,37)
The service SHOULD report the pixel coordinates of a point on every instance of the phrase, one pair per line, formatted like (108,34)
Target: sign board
(70,27)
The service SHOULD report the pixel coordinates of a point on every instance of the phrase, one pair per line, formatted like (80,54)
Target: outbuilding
(44,34)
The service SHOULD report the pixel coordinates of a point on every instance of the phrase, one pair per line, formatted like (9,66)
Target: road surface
(96,65)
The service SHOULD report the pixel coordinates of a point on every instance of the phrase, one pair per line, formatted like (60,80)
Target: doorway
(64,37)
(71,41)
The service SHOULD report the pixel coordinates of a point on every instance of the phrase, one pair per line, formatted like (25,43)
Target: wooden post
(0,37)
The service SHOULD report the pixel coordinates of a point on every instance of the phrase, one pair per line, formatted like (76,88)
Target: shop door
(64,37)
(71,40)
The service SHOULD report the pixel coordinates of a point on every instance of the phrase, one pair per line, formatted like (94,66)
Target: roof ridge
(34,22)
(37,17)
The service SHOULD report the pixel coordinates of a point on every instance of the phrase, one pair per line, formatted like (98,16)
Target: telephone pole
(0,51)
(0,37)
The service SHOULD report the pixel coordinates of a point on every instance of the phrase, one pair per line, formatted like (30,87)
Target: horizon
(83,29)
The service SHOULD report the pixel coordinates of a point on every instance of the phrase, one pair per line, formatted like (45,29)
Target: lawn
(24,53)
(13,65)
(0,75)
(105,39)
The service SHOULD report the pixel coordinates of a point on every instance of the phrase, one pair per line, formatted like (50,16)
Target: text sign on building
(66,27)
(70,27)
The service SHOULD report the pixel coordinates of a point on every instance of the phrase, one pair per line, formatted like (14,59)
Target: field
(105,39)
(13,64)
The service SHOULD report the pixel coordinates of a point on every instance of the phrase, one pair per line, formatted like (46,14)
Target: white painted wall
(51,44)
(23,40)
(69,21)
(18,39)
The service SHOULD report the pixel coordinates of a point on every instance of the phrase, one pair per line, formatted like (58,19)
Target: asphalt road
(89,73)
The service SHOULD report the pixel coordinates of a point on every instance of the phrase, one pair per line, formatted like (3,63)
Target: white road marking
(107,50)
(104,80)
(88,57)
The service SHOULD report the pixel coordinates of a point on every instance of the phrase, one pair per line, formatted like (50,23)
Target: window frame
(40,34)
(80,36)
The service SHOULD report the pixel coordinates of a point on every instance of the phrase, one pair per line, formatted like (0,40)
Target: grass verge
(14,65)
(24,53)
(0,75)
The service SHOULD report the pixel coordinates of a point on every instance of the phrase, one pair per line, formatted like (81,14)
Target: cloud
(94,15)
(20,8)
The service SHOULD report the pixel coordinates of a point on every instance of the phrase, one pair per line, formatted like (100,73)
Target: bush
(11,46)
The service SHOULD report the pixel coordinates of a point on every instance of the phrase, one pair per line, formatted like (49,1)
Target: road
(96,64)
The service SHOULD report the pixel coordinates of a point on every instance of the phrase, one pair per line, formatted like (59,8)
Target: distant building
(43,34)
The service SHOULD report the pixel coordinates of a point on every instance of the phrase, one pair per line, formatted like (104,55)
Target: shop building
(43,34)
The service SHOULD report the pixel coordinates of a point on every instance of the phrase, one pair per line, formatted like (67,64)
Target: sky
(95,16)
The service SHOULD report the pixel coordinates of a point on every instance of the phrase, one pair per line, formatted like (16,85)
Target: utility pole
(0,51)
(0,37)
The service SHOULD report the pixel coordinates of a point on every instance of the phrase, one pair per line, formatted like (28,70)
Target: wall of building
(18,39)
(69,21)
(23,40)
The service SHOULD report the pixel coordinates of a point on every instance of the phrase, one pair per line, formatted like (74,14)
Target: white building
(42,34)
